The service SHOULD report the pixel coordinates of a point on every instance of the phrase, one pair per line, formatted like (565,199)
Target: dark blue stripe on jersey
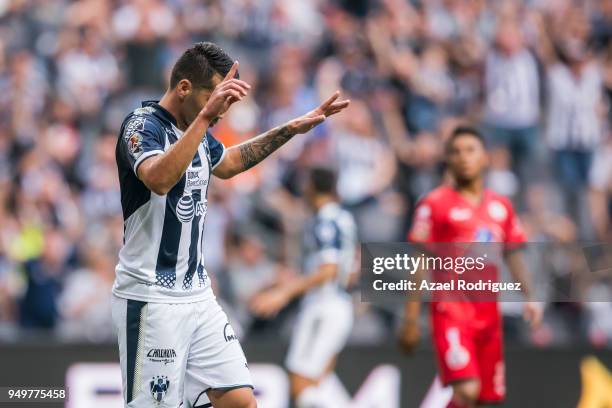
(197,161)
(196,194)
(324,241)
(165,270)
(134,310)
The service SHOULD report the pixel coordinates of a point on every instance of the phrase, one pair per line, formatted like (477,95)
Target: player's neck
(322,201)
(472,190)
(169,103)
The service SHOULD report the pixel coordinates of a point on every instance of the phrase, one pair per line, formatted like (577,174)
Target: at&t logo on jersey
(185,209)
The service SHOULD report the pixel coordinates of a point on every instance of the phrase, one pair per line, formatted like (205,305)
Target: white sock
(438,396)
(332,391)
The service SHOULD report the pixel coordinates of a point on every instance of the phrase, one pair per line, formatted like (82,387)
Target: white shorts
(322,330)
(173,353)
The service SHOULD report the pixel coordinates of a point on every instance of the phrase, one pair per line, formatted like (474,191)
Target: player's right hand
(227,92)
(409,336)
(533,312)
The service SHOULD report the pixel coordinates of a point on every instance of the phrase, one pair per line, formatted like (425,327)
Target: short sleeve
(327,238)
(141,138)
(216,149)
(514,234)
(421,230)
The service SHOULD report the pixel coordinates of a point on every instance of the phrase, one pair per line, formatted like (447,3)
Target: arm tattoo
(255,150)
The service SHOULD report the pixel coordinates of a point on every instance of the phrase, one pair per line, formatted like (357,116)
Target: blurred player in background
(326,311)
(468,336)
(176,344)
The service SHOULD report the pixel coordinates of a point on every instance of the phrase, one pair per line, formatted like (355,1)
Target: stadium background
(71,70)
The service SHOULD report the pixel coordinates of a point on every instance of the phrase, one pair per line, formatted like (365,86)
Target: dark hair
(464,130)
(323,180)
(199,63)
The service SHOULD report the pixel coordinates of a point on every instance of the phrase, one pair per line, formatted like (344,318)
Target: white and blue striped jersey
(161,259)
(330,237)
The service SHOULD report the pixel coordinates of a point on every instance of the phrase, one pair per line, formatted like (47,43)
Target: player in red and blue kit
(467,335)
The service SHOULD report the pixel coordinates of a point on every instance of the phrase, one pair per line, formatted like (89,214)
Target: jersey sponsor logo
(159,386)
(194,179)
(228,333)
(497,211)
(456,357)
(201,208)
(484,235)
(460,214)
(160,355)
(185,209)
(134,143)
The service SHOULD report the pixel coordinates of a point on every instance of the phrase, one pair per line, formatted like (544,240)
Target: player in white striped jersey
(176,345)
(326,311)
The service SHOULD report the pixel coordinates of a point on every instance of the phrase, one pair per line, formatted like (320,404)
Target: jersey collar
(330,208)
(160,111)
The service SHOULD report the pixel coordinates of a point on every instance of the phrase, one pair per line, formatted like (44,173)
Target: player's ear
(486,159)
(184,88)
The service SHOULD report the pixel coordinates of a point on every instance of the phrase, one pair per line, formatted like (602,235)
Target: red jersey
(444,215)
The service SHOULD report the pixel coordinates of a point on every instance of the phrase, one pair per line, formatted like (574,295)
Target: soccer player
(467,335)
(176,345)
(326,311)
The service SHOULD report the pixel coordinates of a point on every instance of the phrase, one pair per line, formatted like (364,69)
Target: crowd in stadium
(535,76)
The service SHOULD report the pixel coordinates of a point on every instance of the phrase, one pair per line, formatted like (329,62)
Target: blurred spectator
(600,195)
(38,307)
(574,127)
(84,304)
(512,96)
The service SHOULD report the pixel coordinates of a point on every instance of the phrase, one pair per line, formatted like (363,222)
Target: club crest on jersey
(497,211)
(159,387)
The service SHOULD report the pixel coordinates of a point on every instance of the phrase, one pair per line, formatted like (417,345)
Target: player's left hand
(533,313)
(267,304)
(316,116)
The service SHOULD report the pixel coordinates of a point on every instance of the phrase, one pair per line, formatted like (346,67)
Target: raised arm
(161,172)
(246,155)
